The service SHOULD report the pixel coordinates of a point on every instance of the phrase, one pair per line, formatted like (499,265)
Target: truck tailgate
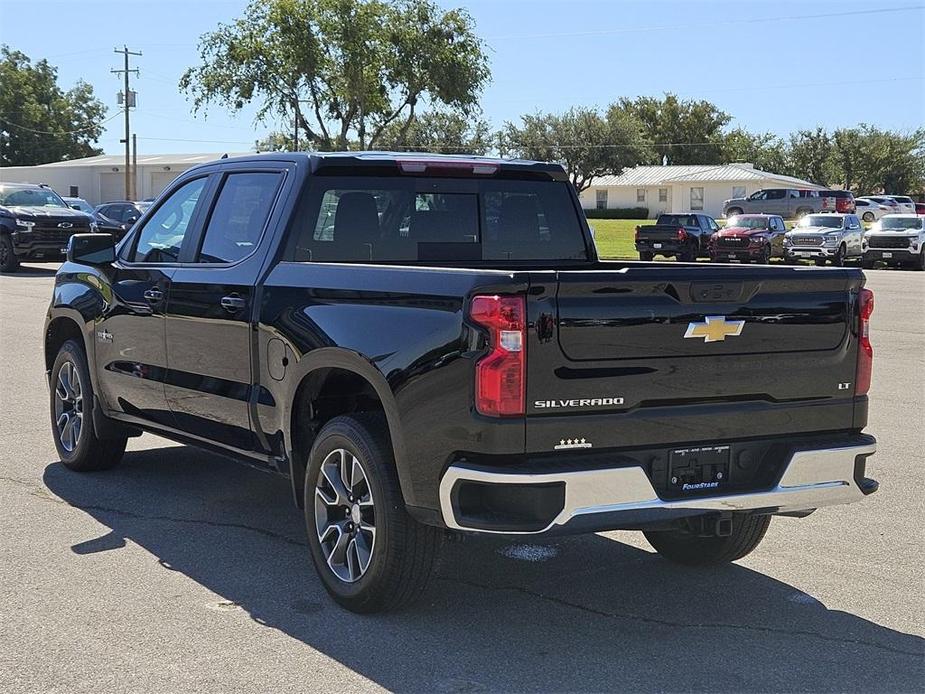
(646,354)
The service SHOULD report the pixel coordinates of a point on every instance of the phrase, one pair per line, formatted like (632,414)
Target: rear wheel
(8,260)
(868,217)
(646,255)
(867,264)
(689,254)
(370,554)
(687,547)
(803,211)
(71,392)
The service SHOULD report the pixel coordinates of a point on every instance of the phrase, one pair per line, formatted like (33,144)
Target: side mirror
(132,220)
(91,249)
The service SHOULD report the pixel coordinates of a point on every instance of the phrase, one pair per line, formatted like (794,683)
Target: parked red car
(920,208)
(749,238)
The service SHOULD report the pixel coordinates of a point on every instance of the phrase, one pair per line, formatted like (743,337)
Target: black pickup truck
(429,345)
(682,236)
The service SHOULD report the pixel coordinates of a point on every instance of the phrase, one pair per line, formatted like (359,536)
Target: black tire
(819,261)
(688,255)
(765,258)
(733,211)
(8,260)
(868,217)
(920,265)
(402,552)
(646,255)
(803,211)
(83,450)
(690,549)
(838,260)
(867,264)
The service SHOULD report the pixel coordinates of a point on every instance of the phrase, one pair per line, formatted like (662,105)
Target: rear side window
(239,216)
(365,219)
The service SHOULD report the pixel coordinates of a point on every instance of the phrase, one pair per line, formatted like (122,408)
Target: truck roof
(386,163)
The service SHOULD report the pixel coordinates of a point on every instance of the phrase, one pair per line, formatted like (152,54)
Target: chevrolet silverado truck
(682,236)
(429,345)
(897,240)
(36,224)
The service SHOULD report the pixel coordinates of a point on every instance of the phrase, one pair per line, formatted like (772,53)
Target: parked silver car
(790,203)
(822,237)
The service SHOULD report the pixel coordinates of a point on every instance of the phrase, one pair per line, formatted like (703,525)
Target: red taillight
(865,349)
(682,234)
(500,375)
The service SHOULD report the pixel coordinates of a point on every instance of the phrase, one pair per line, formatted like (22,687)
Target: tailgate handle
(716,292)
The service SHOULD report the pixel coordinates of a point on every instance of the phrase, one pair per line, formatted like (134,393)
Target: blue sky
(775,66)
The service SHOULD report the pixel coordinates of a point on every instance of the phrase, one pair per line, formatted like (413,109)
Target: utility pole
(127,99)
(134,167)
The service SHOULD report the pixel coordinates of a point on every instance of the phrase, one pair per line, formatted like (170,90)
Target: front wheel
(8,260)
(733,211)
(838,260)
(920,264)
(765,257)
(819,261)
(71,391)
(370,554)
(687,547)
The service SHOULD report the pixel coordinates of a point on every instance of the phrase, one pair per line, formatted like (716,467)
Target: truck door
(209,381)
(130,349)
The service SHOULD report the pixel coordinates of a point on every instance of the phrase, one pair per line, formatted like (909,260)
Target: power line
(57,132)
(762,20)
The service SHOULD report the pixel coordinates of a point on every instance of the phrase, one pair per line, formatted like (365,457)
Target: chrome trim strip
(812,479)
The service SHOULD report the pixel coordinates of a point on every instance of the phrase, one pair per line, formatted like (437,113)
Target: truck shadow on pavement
(574,613)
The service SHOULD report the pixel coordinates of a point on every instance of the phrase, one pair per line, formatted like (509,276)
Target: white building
(693,188)
(102,179)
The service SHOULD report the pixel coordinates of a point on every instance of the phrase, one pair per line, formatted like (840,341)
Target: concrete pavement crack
(681,625)
(42,493)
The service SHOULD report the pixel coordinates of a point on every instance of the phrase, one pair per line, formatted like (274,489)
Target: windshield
(821,220)
(900,223)
(30,197)
(747,222)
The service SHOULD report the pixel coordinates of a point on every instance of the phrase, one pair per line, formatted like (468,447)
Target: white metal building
(102,179)
(693,188)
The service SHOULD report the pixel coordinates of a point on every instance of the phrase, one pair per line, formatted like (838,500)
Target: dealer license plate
(887,255)
(656,245)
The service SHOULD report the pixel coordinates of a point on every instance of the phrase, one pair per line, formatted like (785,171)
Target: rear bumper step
(602,499)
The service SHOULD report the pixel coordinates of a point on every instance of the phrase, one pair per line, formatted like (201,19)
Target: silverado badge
(715,328)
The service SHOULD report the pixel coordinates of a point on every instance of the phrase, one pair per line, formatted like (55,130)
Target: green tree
(766,151)
(343,70)
(586,143)
(812,156)
(686,132)
(439,131)
(889,161)
(40,122)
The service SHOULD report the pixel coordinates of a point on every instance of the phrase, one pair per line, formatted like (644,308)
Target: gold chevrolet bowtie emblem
(715,328)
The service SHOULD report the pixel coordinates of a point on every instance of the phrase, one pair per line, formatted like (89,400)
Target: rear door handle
(153,295)
(233,303)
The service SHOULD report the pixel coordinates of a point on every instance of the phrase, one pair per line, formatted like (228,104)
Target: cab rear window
(391,219)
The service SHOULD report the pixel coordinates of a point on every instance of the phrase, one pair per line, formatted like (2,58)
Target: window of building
(640,195)
(738,191)
(601,199)
(663,195)
(697,198)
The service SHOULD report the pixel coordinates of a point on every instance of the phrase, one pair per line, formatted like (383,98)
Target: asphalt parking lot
(181,571)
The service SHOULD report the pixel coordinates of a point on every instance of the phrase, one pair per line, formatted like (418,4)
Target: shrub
(619,213)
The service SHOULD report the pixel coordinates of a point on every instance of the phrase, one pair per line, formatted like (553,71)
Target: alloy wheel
(68,406)
(345,515)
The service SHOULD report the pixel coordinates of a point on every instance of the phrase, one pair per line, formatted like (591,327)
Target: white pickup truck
(897,239)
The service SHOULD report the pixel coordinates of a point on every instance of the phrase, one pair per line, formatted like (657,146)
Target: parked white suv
(822,237)
(897,239)
(906,204)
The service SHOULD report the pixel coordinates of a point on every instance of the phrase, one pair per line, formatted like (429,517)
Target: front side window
(369,219)
(239,216)
(162,235)
(601,199)
(697,198)
(640,195)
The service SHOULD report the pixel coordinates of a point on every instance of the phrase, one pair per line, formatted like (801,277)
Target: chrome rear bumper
(812,478)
